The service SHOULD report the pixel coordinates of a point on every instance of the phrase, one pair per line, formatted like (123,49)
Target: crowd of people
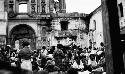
(60,59)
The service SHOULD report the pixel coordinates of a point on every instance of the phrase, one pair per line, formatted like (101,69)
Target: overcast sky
(82,6)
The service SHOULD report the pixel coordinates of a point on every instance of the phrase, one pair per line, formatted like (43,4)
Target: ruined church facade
(42,23)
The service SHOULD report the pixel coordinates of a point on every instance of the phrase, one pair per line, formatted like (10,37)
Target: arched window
(121,9)
(94,24)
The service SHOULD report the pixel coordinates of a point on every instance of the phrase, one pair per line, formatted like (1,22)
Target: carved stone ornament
(32,1)
(32,14)
(22,0)
(11,14)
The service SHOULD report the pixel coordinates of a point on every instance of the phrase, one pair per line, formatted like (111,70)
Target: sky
(82,6)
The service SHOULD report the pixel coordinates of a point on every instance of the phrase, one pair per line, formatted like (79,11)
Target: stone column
(111,31)
(62,6)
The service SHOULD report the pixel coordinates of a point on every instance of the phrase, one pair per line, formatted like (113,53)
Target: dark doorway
(64,25)
(22,33)
(122,45)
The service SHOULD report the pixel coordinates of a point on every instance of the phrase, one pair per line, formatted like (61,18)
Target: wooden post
(111,30)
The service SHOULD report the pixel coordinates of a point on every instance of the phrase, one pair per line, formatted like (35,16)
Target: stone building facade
(96,28)
(96,24)
(121,9)
(42,23)
(3,23)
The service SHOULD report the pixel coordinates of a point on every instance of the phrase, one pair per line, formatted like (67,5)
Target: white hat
(9,45)
(50,56)
(99,52)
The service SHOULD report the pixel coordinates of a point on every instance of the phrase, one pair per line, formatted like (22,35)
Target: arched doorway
(22,33)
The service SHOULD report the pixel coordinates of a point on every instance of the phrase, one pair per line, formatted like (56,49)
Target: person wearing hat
(58,55)
(25,56)
(43,56)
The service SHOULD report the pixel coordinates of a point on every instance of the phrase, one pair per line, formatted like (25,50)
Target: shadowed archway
(22,33)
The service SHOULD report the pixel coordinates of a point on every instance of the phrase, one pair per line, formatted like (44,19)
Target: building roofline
(68,15)
(95,11)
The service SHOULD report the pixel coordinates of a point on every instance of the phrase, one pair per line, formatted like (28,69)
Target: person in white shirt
(25,55)
(92,60)
(44,51)
(76,66)
(43,56)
